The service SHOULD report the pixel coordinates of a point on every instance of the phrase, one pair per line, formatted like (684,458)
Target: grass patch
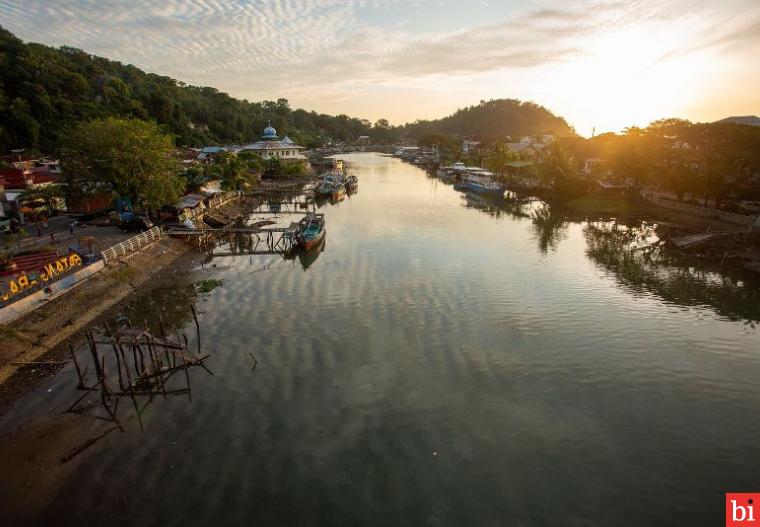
(7,332)
(206,286)
(603,204)
(124,274)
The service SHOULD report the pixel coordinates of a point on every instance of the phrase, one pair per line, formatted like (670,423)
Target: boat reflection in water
(306,257)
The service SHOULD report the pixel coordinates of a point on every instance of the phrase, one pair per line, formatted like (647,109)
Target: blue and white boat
(482,181)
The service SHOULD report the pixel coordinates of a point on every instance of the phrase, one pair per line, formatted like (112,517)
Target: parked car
(135,223)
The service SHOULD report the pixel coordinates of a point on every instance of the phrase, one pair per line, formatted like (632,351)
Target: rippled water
(444,361)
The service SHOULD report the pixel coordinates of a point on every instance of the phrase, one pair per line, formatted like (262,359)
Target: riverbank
(27,340)
(34,470)
(31,337)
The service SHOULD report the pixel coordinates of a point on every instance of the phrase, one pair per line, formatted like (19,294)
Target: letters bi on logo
(742,509)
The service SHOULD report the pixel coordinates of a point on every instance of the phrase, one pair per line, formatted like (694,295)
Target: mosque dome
(287,140)
(270,134)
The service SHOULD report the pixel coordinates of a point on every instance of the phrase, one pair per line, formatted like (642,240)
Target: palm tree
(559,168)
(497,160)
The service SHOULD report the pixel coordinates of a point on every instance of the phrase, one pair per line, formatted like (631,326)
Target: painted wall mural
(30,280)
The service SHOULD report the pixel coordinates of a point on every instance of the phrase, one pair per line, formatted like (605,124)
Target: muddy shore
(32,452)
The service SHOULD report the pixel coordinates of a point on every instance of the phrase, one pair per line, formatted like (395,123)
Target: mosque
(269,145)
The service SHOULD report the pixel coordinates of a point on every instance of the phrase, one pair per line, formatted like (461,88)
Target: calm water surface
(444,361)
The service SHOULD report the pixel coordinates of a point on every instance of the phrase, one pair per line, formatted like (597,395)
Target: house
(592,165)
(469,146)
(528,151)
(209,152)
(17,181)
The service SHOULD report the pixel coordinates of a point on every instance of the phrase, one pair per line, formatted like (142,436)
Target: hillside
(44,89)
(494,120)
(750,120)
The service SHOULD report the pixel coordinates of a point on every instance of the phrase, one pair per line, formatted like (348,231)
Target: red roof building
(16,179)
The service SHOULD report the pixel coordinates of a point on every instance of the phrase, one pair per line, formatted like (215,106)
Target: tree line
(711,163)
(45,90)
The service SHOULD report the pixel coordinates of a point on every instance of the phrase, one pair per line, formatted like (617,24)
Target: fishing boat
(339,192)
(451,173)
(312,230)
(352,182)
(330,184)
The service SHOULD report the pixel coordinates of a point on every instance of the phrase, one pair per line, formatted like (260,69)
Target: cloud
(331,48)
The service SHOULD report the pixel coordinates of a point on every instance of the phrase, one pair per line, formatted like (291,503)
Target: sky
(602,65)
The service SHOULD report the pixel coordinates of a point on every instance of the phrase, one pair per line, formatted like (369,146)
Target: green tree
(195,177)
(232,170)
(48,193)
(559,172)
(128,156)
(497,160)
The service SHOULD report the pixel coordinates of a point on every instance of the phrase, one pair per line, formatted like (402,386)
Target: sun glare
(630,77)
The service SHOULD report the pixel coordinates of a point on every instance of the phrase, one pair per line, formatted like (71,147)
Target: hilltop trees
(127,156)
(44,90)
(494,120)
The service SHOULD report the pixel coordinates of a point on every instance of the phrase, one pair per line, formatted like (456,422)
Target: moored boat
(452,172)
(339,192)
(331,182)
(482,181)
(352,182)
(312,230)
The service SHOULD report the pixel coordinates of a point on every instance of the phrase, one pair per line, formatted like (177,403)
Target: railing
(132,244)
(705,212)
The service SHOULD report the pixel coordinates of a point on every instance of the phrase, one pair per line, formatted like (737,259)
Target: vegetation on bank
(713,164)
(717,164)
(128,157)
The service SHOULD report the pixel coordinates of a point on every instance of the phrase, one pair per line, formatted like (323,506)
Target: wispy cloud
(316,49)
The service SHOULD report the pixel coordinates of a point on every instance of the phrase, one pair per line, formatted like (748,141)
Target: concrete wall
(43,296)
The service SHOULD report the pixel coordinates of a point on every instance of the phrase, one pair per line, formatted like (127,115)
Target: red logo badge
(742,509)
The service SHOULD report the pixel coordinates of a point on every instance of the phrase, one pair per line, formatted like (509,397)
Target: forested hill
(494,120)
(45,89)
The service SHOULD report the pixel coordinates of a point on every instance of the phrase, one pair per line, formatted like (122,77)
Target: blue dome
(269,133)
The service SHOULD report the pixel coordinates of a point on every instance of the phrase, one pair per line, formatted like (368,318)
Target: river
(445,360)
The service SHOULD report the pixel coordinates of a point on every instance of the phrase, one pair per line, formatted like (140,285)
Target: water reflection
(435,367)
(166,308)
(636,257)
(642,263)
(306,257)
(549,227)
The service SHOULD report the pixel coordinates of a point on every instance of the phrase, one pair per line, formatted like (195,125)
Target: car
(135,223)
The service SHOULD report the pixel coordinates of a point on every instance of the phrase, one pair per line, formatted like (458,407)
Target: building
(270,146)
(17,181)
(529,151)
(469,146)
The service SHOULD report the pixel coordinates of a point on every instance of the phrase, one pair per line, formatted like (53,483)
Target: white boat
(482,181)
(451,172)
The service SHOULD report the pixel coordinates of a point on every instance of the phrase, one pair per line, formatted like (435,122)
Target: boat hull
(312,241)
(478,188)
